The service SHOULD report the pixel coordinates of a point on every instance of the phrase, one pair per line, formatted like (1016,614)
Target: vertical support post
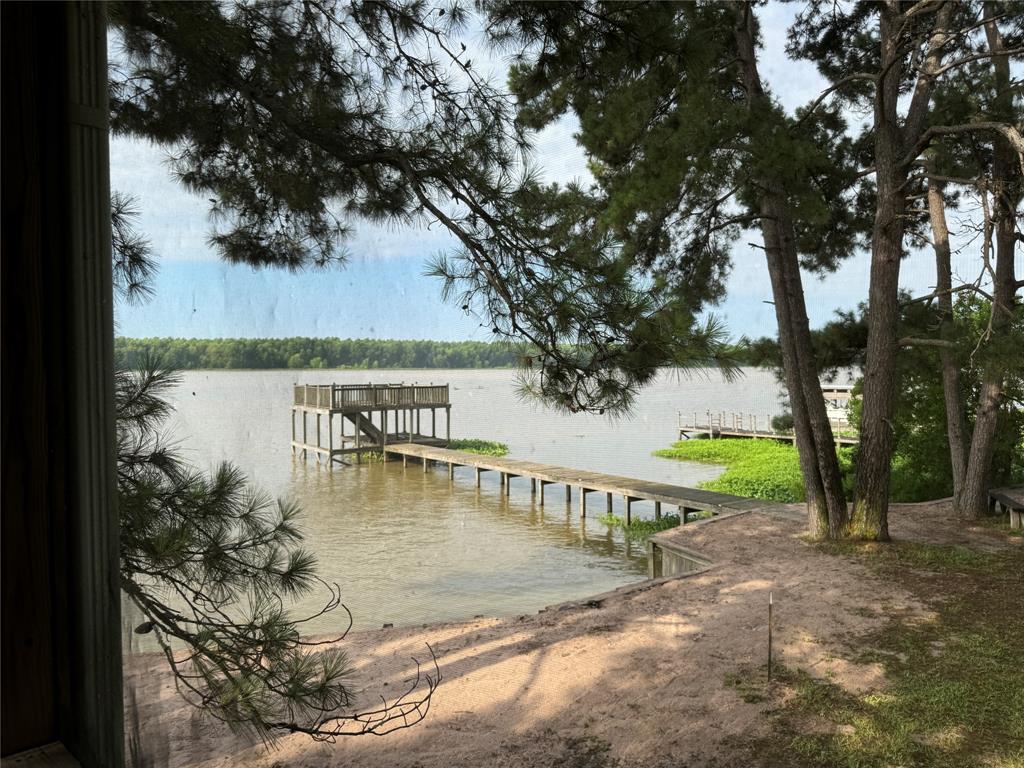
(477,476)
(409,424)
(629,509)
(305,442)
(451,471)
(426,463)
(608,502)
(359,433)
(583,502)
(533,486)
(657,510)
(405,461)
(508,484)
(318,432)
(542,484)
(568,495)
(448,424)
(433,422)
(330,438)
(293,431)
(384,427)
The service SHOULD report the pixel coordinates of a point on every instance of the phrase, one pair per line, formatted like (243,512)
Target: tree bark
(1007,192)
(871,498)
(874,462)
(956,423)
(823,487)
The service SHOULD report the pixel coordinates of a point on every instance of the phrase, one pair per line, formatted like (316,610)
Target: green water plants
(483,447)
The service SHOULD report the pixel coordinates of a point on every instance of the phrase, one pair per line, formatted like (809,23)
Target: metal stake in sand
(769,637)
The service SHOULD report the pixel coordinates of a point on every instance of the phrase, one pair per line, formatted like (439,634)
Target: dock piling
(541,475)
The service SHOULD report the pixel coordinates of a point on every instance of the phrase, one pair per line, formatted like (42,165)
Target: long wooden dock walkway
(687,500)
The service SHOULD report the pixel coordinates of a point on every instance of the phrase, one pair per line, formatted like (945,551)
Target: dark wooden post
(61,620)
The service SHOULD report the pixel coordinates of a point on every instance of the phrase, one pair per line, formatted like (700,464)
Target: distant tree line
(306,352)
(303,352)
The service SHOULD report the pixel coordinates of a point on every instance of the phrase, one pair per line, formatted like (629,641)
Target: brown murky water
(408,547)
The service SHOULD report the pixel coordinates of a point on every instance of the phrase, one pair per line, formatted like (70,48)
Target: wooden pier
(686,500)
(722,424)
(377,415)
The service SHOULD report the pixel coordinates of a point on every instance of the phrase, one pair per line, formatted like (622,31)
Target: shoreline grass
(756,468)
(639,528)
(482,447)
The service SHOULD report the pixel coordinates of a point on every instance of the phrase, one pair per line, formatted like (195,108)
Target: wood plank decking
(631,489)
(397,408)
(746,425)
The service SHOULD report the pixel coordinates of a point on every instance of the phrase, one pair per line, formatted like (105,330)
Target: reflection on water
(409,547)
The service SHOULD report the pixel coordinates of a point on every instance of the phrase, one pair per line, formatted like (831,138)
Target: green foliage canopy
(301,119)
(304,352)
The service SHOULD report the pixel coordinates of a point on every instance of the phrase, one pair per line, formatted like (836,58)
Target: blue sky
(382,291)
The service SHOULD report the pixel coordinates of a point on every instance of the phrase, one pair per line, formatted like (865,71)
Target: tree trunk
(956,423)
(823,487)
(1007,193)
(814,489)
(874,460)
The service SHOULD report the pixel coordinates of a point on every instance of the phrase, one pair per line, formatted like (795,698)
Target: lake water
(409,547)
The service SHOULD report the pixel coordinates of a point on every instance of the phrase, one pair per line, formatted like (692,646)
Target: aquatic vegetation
(761,469)
(641,529)
(483,447)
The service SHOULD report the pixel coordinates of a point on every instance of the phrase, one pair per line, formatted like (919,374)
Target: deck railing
(345,396)
(723,421)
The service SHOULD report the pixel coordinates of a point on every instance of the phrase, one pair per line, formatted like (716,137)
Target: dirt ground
(638,678)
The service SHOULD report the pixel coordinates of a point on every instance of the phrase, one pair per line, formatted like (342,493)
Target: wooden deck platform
(687,500)
(741,425)
(377,414)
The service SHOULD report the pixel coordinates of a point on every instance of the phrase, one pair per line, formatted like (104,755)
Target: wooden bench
(1011,500)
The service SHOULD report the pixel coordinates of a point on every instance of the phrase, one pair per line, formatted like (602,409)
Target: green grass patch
(641,529)
(760,469)
(912,554)
(484,447)
(770,470)
(954,686)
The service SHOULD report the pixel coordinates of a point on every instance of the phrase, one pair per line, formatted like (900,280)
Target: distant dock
(370,417)
(738,425)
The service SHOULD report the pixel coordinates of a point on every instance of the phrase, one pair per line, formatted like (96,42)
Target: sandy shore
(636,680)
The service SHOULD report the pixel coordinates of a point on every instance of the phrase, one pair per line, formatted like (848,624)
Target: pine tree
(300,119)
(874,53)
(211,564)
(689,151)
